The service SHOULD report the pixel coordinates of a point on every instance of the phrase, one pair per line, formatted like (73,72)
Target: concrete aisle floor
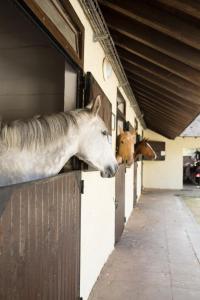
(158,257)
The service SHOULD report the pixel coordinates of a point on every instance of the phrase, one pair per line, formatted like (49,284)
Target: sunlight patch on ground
(193,203)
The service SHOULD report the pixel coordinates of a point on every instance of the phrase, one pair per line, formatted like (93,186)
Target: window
(51,75)
(60,19)
(92,91)
(121,113)
(159,148)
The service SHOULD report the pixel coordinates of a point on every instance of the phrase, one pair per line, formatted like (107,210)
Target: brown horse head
(144,149)
(125,147)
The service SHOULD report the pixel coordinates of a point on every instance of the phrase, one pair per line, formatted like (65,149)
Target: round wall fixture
(107,69)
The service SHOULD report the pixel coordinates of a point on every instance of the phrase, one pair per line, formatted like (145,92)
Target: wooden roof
(158,42)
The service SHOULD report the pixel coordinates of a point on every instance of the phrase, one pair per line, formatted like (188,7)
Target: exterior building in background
(168,173)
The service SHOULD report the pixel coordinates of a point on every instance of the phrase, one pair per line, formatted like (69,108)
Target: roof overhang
(158,42)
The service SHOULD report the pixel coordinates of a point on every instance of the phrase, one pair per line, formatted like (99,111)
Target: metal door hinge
(82,186)
(116,203)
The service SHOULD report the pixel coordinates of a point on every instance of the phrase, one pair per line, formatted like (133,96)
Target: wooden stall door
(135,184)
(119,202)
(92,90)
(40,239)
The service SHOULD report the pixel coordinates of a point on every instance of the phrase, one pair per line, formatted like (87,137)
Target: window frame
(32,8)
(120,116)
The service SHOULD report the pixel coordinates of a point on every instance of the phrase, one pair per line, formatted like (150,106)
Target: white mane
(38,131)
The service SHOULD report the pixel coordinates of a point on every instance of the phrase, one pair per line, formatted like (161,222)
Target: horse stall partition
(92,90)
(40,239)
(135,184)
(119,202)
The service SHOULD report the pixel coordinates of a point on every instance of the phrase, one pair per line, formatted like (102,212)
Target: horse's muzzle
(109,171)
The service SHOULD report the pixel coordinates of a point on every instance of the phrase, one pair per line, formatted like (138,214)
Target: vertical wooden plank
(39,247)
(45,207)
(135,183)
(93,89)
(119,202)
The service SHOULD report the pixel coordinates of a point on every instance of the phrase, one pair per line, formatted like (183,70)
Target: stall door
(119,202)
(40,239)
(135,184)
(92,90)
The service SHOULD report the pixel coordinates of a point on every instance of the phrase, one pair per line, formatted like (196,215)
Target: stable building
(57,55)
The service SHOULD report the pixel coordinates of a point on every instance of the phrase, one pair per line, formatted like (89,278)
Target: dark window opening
(121,113)
(36,76)
(61,21)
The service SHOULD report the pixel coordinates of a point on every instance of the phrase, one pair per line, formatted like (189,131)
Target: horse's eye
(104,132)
(122,142)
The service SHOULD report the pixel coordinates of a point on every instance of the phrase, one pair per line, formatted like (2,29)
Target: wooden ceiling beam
(172,108)
(177,101)
(164,128)
(152,38)
(166,88)
(134,61)
(148,107)
(151,114)
(170,137)
(189,7)
(157,58)
(163,82)
(176,123)
(170,134)
(161,121)
(155,18)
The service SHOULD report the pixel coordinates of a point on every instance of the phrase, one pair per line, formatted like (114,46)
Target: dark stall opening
(191,168)
(35,77)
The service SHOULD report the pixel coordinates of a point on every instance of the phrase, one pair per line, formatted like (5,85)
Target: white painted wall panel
(167,174)
(98,209)
(97,227)
(128,192)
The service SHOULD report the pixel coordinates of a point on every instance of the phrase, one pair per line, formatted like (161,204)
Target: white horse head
(95,143)
(40,147)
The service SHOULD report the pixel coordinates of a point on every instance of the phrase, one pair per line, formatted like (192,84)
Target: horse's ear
(133,132)
(96,105)
(121,131)
(89,105)
(145,140)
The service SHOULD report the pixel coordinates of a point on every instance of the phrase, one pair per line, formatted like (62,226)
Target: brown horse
(143,148)
(125,147)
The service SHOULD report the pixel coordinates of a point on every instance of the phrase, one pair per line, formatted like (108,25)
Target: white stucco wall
(167,174)
(97,203)
(139,168)
(128,192)
(97,227)
(139,180)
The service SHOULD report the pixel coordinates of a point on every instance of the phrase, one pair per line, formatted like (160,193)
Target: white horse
(40,147)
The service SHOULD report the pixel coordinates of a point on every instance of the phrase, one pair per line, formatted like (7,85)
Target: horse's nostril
(112,170)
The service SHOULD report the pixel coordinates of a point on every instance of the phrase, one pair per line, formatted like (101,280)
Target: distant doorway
(191,167)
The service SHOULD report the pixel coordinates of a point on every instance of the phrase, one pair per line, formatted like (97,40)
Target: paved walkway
(158,257)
